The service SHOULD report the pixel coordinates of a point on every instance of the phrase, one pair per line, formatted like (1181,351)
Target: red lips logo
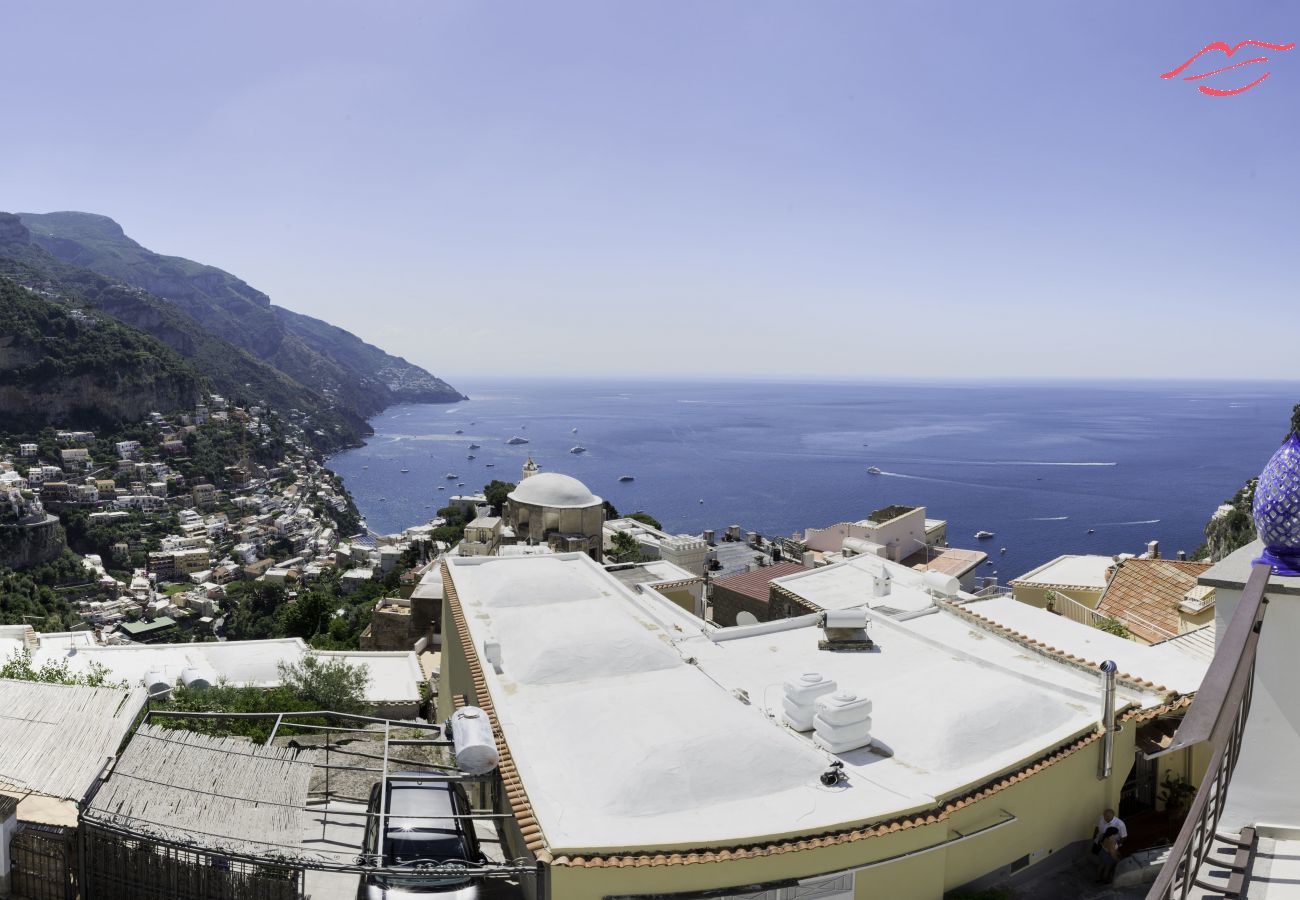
(1227,51)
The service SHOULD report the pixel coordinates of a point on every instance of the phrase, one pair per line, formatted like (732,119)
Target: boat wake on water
(1138,522)
(1049,519)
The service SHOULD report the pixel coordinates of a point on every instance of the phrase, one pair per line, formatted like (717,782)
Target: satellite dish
(746,618)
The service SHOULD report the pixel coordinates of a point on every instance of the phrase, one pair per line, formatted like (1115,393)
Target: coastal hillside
(1231,527)
(337,364)
(233,372)
(80,368)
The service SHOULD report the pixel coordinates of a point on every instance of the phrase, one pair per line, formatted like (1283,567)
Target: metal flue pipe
(1108,670)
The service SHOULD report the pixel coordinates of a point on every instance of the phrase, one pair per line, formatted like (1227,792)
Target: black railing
(1217,717)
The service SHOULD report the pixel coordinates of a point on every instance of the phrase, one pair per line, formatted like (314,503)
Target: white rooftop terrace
(1070,571)
(394,676)
(624,716)
(849,584)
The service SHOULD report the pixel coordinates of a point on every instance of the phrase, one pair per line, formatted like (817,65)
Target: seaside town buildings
(849,712)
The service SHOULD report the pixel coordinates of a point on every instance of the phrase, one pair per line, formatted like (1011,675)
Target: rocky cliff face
(356,376)
(61,365)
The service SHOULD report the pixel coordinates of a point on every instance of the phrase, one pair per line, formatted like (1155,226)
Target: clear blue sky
(725,188)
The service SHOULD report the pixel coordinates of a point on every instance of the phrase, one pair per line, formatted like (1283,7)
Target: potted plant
(1176,793)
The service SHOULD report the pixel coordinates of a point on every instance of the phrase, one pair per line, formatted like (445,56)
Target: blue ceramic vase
(1276,509)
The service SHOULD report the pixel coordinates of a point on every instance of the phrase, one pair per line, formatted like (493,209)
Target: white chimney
(880,584)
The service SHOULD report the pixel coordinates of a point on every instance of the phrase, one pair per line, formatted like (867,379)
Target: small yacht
(573,431)
(577,449)
(489,465)
(405,470)
(471,456)
(451,476)
(626,478)
(460,484)
(1092,531)
(475,446)
(1003,551)
(441,488)
(873,470)
(383,499)
(460,431)
(516,439)
(365,467)
(983,535)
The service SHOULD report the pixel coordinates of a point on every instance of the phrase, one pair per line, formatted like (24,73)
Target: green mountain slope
(233,372)
(339,365)
(62,365)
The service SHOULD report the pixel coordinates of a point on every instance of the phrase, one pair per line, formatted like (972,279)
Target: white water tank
(845,618)
(801,693)
(475,745)
(842,722)
(158,684)
(196,678)
(944,585)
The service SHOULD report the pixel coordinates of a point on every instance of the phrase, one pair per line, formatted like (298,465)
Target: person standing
(1108,855)
(1108,819)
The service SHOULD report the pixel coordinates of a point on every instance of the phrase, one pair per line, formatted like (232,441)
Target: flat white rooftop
(394,677)
(849,584)
(1078,571)
(634,725)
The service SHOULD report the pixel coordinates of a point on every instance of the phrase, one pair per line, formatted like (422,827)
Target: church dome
(554,490)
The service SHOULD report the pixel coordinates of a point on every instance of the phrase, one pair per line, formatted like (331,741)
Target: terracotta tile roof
(1144,595)
(948,561)
(755,584)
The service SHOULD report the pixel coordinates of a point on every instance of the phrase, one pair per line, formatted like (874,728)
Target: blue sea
(1038,464)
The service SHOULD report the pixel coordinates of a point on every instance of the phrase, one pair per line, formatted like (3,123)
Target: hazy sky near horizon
(905,189)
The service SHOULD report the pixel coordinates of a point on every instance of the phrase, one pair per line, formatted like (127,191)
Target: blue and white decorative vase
(1276,509)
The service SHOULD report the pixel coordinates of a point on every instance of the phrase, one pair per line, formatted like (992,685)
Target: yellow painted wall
(1037,596)
(454,677)
(1053,808)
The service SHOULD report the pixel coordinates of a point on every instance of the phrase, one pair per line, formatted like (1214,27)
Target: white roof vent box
(846,629)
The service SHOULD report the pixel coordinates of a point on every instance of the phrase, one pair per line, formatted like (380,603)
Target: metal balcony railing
(1217,717)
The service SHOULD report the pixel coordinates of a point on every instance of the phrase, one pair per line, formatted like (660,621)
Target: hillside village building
(646,752)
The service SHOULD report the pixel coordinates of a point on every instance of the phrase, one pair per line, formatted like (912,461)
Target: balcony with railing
(1204,862)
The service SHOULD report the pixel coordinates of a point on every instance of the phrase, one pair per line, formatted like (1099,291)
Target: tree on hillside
(496,492)
(646,518)
(329,684)
(624,548)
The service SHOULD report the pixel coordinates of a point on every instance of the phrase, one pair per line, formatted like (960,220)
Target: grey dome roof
(554,490)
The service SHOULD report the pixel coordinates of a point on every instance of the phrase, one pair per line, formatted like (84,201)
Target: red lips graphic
(1227,51)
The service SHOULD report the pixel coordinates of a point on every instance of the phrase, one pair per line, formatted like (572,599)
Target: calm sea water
(1037,464)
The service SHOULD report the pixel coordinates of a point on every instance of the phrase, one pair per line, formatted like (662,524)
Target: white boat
(441,488)
(475,446)
(983,535)
(471,456)
(516,439)
(489,465)
(573,431)
(452,476)
(626,478)
(873,470)
(404,471)
(577,449)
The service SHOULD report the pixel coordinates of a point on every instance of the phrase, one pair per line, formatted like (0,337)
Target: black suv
(423,854)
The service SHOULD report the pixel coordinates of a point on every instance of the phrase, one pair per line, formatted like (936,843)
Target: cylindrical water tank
(846,618)
(943,584)
(843,708)
(476,748)
(158,684)
(194,677)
